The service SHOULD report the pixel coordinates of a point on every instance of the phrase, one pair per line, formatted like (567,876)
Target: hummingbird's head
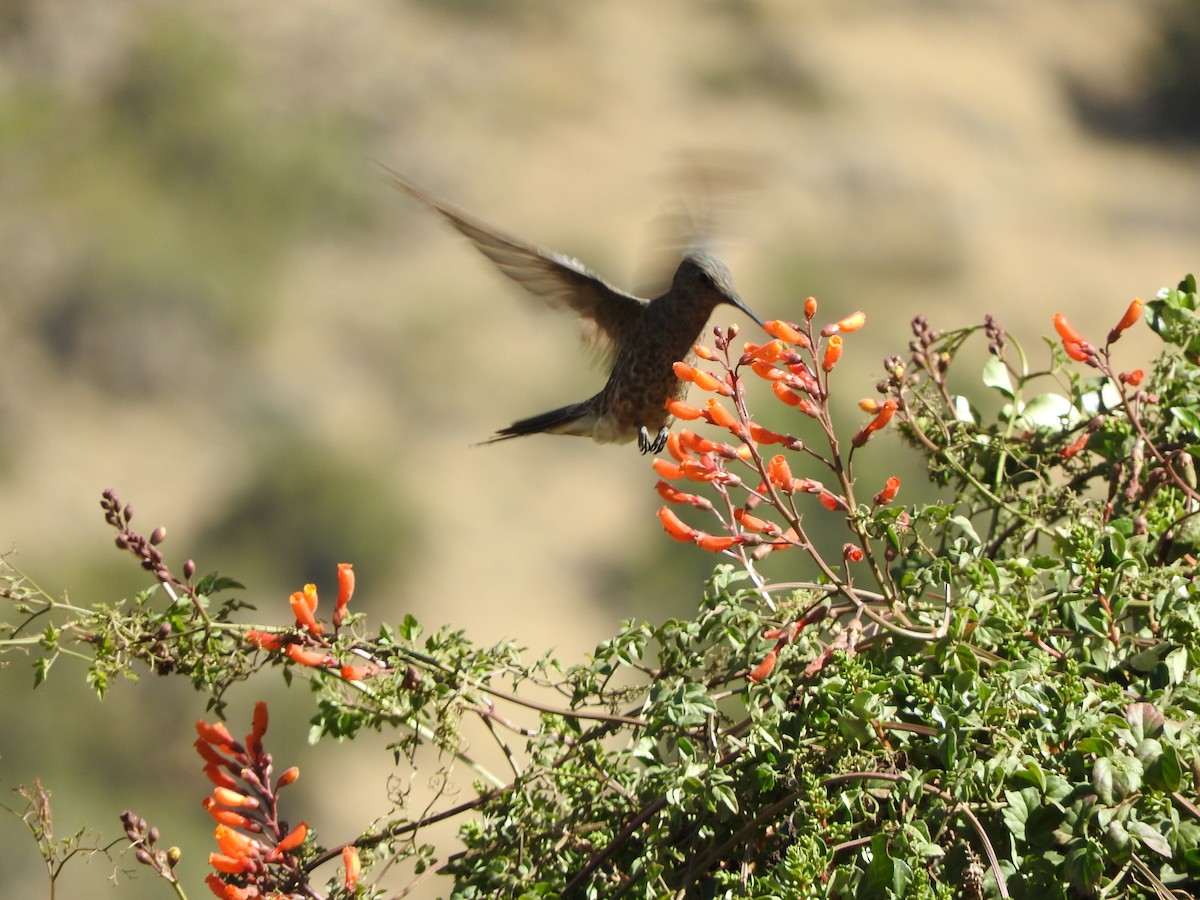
(702,274)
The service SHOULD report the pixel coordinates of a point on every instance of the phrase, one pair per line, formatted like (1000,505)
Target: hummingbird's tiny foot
(652,446)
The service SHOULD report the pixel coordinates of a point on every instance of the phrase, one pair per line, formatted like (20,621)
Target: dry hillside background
(214,304)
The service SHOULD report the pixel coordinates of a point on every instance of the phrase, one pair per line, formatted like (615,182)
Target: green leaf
(995,375)
(1116,777)
(1150,838)
(1048,412)
(1165,772)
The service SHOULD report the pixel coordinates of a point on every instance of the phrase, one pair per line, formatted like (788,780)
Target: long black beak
(735,300)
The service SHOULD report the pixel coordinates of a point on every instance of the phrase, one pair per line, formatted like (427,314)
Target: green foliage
(990,695)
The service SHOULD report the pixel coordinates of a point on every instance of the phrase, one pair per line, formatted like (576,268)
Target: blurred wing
(609,315)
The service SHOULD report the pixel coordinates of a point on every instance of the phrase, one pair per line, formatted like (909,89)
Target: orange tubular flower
(1078,444)
(226,816)
(852,322)
(888,494)
(230,891)
(289,776)
(211,756)
(697,470)
(704,352)
(833,352)
(1132,314)
(1134,378)
(257,729)
(673,495)
(693,443)
(675,447)
(304,657)
(851,553)
(780,473)
(768,352)
(345,576)
(766,371)
(358,673)
(235,844)
(718,415)
(676,527)
(230,865)
(1068,334)
(879,422)
(667,469)
(715,543)
(753,523)
(259,726)
(264,640)
(810,307)
(784,393)
(233,799)
(353,864)
(760,672)
(291,841)
(701,379)
(216,733)
(1077,352)
(304,613)
(681,410)
(785,331)
(219,776)
(763,436)
(829,501)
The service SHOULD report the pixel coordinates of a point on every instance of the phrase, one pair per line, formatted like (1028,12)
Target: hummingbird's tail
(578,418)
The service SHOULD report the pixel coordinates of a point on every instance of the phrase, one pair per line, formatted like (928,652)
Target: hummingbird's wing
(609,315)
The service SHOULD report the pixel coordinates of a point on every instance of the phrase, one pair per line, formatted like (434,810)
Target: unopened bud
(158,535)
(189,569)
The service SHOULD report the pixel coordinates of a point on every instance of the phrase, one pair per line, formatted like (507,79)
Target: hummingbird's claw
(652,446)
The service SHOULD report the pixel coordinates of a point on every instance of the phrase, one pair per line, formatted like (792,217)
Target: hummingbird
(644,338)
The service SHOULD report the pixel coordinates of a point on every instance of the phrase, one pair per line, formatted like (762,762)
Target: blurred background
(213,303)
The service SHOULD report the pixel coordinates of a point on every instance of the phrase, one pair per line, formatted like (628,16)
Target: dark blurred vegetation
(1163,97)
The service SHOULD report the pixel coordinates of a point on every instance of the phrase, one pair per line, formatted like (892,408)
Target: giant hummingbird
(644,337)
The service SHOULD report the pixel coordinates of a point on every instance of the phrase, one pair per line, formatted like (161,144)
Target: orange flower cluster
(1076,347)
(256,848)
(796,363)
(307,647)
